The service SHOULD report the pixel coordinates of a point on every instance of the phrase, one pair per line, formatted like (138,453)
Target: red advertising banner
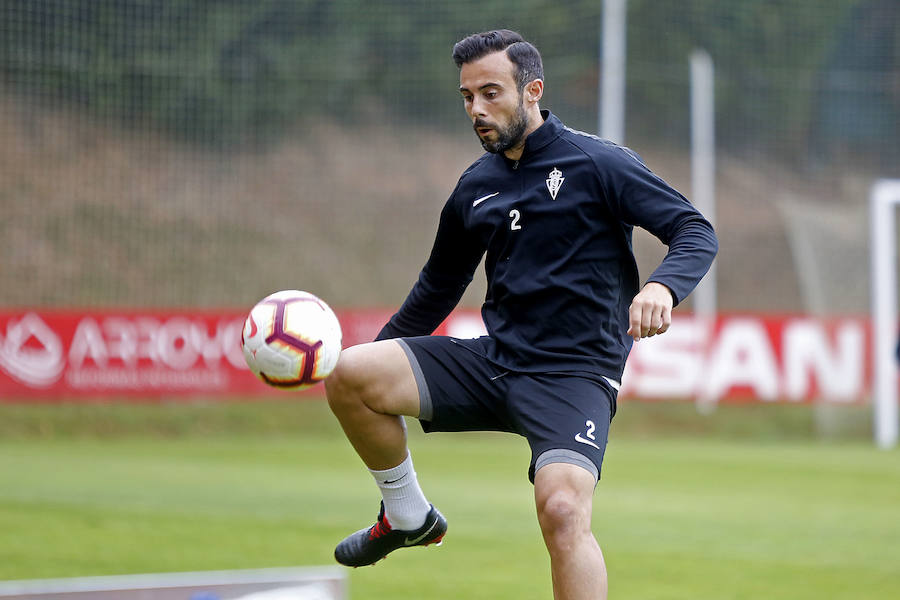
(754,358)
(54,355)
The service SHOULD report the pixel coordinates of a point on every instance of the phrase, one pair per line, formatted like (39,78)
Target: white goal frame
(883,199)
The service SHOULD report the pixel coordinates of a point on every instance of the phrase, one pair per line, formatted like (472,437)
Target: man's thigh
(459,390)
(565,418)
(381,374)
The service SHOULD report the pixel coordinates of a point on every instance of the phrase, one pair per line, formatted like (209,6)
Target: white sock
(405,505)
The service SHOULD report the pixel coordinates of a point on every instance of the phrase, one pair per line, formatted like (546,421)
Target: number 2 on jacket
(515,215)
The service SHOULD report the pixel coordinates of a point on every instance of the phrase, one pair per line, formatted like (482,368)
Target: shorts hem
(564,455)
(426,406)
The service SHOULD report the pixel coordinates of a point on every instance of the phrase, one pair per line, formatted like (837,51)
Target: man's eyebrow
(485,86)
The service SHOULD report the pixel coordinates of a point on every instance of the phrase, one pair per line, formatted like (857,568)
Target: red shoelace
(379,529)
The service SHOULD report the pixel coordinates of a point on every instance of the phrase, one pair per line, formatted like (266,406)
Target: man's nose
(478,108)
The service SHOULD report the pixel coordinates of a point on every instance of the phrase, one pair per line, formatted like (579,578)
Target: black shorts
(565,417)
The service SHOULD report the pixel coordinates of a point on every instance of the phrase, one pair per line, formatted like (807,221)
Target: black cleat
(368,546)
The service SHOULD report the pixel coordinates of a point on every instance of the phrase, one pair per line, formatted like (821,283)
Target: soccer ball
(291,340)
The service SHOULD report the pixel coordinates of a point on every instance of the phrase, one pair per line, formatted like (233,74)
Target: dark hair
(524,56)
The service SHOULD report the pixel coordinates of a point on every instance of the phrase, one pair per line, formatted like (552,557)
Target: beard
(507,137)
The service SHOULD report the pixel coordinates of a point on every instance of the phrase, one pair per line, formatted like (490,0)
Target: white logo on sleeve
(588,437)
(483,198)
(554,182)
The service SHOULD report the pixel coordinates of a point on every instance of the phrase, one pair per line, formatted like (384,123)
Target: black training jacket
(556,226)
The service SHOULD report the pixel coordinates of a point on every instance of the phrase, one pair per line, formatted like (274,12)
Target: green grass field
(688,507)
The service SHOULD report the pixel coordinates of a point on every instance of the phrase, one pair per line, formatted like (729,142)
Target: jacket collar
(543,135)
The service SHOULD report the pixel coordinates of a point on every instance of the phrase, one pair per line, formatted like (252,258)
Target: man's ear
(534,90)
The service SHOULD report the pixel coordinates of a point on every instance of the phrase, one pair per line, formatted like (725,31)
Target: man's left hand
(650,311)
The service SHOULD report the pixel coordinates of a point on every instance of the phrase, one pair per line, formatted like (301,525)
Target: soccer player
(553,209)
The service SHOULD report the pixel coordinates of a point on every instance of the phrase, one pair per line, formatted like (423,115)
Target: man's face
(493,102)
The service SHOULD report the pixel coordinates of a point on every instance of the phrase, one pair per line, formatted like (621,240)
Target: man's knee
(350,381)
(562,511)
(347,375)
(563,495)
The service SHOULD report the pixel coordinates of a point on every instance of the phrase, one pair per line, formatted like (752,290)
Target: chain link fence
(192,153)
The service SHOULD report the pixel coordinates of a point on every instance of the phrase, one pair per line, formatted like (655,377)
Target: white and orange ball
(291,339)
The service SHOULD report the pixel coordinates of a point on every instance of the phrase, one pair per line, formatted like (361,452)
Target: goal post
(883,199)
